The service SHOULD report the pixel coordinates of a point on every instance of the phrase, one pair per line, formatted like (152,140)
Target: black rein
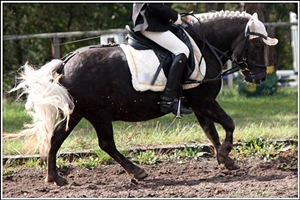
(239,65)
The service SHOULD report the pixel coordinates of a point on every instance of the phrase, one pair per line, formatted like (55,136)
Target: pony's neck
(221,28)
(222,33)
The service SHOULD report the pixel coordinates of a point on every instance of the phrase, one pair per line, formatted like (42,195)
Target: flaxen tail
(47,103)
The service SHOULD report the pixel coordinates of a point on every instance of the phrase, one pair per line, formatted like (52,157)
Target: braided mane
(205,17)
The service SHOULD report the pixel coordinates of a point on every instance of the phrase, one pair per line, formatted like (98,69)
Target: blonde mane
(205,17)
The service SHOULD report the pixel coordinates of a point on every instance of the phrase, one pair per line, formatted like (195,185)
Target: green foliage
(62,163)
(153,157)
(12,162)
(15,116)
(9,171)
(13,165)
(268,117)
(266,150)
(187,152)
(268,87)
(145,157)
(281,13)
(90,162)
(36,18)
(35,163)
(256,148)
(259,120)
(13,146)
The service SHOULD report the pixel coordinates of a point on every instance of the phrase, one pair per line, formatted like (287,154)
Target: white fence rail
(295,41)
(290,77)
(118,36)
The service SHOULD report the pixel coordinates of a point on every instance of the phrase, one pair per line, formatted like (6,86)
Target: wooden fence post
(270,61)
(56,47)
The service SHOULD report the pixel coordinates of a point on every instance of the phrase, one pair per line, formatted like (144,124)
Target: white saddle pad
(144,63)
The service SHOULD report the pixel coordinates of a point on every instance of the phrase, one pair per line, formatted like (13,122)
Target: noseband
(242,60)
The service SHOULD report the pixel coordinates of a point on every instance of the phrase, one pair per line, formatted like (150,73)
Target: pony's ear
(254,16)
(257,26)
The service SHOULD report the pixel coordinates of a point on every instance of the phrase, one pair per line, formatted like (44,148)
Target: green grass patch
(267,117)
(255,149)
(264,149)
(14,116)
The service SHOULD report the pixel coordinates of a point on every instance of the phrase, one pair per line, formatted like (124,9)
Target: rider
(154,20)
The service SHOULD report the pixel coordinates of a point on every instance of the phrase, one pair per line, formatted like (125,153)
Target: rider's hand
(178,21)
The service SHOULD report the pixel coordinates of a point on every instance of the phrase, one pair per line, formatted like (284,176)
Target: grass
(254,149)
(267,117)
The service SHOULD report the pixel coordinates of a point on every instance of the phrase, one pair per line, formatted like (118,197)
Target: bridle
(240,63)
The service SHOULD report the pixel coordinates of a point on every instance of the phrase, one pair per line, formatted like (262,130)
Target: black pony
(96,84)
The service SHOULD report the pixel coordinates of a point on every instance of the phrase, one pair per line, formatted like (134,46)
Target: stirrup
(175,107)
(178,114)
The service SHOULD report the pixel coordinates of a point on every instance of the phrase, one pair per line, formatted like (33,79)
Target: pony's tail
(48,103)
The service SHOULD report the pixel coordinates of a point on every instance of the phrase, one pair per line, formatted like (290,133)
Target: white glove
(178,21)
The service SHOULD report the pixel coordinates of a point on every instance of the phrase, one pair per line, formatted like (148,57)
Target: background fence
(290,77)
(285,77)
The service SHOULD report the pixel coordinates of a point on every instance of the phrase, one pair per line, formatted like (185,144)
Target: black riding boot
(169,101)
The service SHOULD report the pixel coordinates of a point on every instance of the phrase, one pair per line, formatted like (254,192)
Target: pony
(98,84)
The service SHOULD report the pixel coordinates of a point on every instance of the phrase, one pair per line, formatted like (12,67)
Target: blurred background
(39,32)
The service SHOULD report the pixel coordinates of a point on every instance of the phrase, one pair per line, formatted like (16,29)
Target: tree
(266,14)
(34,18)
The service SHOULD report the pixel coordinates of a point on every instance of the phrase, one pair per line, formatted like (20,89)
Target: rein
(239,65)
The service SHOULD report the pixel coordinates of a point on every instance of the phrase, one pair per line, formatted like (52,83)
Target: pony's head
(250,54)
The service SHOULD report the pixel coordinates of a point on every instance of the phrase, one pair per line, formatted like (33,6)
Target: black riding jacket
(157,17)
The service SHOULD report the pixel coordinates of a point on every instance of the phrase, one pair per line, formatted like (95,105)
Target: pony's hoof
(58,181)
(230,164)
(140,174)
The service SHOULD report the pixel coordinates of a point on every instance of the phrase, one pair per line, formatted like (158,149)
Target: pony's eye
(258,44)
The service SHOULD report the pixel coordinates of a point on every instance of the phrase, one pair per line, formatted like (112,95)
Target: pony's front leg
(57,139)
(210,131)
(226,147)
(224,150)
(214,113)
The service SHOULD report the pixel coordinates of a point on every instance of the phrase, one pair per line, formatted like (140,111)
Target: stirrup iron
(178,116)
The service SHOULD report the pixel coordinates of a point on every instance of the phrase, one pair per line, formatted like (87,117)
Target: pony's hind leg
(104,131)
(59,136)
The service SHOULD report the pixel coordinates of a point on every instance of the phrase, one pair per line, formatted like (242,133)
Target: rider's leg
(169,99)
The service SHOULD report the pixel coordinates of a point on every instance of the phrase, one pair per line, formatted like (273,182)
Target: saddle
(165,57)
